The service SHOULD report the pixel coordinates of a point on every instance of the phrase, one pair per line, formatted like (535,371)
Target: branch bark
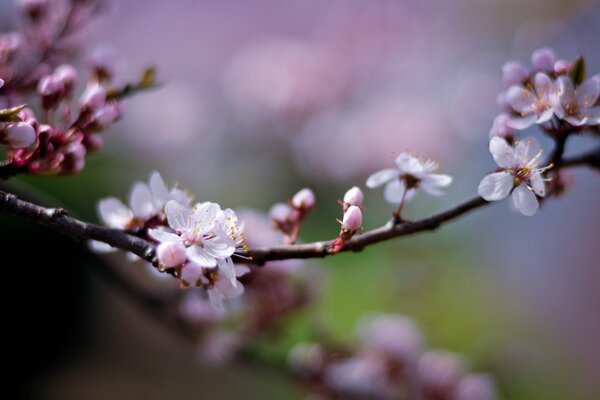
(59,220)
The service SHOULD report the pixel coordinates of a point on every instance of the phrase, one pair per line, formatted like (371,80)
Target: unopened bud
(501,127)
(281,213)
(475,387)
(1,83)
(352,220)
(353,197)
(93,97)
(304,200)
(67,75)
(543,59)
(51,90)
(19,135)
(171,254)
(562,67)
(105,115)
(74,161)
(514,73)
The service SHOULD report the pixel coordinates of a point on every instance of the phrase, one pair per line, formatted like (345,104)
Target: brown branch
(57,219)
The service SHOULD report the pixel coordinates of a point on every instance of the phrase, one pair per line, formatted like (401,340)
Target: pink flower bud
(74,160)
(352,220)
(503,103)
(304,199)
(51,90)
(513,73)
(19,135)
(105,115)
(171,254)
(93,97)
(562,67)
(440,371)
(543,59)
(501,127)
(281,213)
(93,142)
(353,197)
(102,60)
(1,82)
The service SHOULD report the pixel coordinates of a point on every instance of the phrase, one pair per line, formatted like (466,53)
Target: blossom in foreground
(577,105)
(519,174)
(532,102)
(18,135)
(146,201)
(411,173)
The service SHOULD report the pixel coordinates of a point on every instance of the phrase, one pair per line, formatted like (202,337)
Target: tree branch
(57,219)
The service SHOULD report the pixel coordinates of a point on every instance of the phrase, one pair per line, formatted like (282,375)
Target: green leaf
(578,71)
(10,114)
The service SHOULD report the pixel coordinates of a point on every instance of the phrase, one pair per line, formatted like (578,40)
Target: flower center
(410,180)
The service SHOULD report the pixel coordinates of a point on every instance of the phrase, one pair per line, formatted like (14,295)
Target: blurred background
(258,99)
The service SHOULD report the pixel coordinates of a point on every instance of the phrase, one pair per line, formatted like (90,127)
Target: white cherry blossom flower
(410,173)
(576,105)
(145,202)
(519,174)
(532,102)
(197,229)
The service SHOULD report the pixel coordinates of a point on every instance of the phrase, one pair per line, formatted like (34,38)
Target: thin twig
(58,219)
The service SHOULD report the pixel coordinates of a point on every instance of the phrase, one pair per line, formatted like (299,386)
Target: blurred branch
(57,219)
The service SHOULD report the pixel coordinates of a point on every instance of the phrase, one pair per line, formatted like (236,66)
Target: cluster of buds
(194,243)
(352,218)
(554,94)
(389,363)
(288,216)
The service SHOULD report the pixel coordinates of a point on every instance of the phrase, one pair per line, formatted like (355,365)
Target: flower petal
(409,164)
(142,202)
(496,186)
(537,184)
(159,188)
(161,235)
(524,200)
(543,86)
(199,255)
(178,215)
(520,99)
(381,177)
(113,213)
(191,273)
(587,93)
(527,150)
(522,123)
(394,191)
(503,154)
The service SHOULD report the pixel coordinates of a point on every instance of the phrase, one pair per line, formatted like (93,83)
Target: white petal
(520,99)
(198,255)
(113,213)
(205,214)
(100,247)
(524,200)
(178,215)
(381,177)
(503,154)
(522,123)
(191,273)
(538,185)
(159,188)
(181,196)
(543,86)
(227,268)
(229,288)
(431,184)
(216,299)
(587,93)
(394,191)
(161,235)
(241,270)
(142,202)
(496,186)
(545,116)
(408,164)
(217,248)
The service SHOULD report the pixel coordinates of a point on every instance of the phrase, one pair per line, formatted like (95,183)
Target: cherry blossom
(576,105)
(410,174)
(519,173)
(532,102)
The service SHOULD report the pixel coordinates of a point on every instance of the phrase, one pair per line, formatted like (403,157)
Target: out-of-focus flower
(362,374)
(93,97)
(519,174)
(513,73)
(411,173)
(577,105)
(304,200)
(476,387)
(501,127)
(562,67)
(171,254)
(306,359)
(543,59)
(440,371)
(532,102)
(395,336)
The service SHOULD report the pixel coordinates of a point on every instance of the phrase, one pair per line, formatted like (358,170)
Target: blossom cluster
(389,362)
(553,93)
(194,242)
(35,67)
